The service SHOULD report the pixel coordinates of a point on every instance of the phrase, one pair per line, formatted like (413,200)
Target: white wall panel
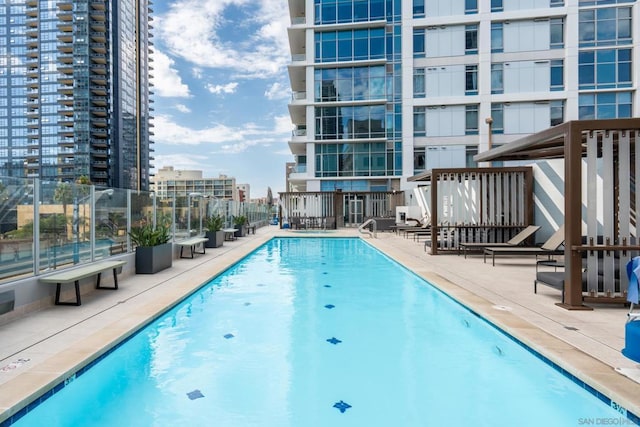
(526,117)
(527,76)
(525,36)
(510,5)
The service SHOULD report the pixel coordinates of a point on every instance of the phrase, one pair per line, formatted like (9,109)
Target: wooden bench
(192,243)
(251,228)
(76,274)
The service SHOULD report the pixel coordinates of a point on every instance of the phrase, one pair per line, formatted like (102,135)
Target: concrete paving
(46,347)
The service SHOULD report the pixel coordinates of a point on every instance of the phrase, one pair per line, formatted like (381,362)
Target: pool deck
(44,348)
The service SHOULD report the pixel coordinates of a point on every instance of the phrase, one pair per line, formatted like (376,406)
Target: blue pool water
(320,332)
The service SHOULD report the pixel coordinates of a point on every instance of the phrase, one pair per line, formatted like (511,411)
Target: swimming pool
(313,331)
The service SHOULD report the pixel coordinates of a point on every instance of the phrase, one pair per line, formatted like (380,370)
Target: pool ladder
(362,227)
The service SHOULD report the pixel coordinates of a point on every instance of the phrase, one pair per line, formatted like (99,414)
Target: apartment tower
(74,91)
(383,90)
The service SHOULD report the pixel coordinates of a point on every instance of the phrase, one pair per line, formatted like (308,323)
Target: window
(470,7)
(350,122)
(604,69)
(419,83)
(497,114)
(556,112)
(418,8)
(471,80)
(496,6)
(349,84)
(605,105)
(471,39)
(556,3)
(605,27)
(557,74)
(418,43)
(497,44)
(350,45)
(419,159)
(419,121)
(344,11)
(556,36)
(471,120)
(497,85)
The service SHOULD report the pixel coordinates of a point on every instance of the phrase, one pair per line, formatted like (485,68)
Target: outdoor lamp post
(489,121)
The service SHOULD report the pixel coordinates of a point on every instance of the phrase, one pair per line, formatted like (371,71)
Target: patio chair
(549,248)
(516,240)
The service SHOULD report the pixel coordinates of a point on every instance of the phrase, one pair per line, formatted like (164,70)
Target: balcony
(99,90)
(99,111)
(97,5)
(66,121)
(66,100)
(65,16)
(99,47)
(98,58)
(98,37)
(99,80)
(99,101)
(65,5)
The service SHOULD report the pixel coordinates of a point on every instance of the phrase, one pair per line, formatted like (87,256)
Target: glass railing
(47,225)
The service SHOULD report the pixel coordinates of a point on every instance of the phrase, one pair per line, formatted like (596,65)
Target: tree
(64,195)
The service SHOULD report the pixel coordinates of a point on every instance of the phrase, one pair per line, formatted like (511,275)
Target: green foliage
(147,235)
(240,220)
(214,223)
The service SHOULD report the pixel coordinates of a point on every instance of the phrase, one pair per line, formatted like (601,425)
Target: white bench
(192,243)
(76,274)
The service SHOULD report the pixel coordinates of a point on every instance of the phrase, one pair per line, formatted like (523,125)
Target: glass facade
(364,102)
(59,119)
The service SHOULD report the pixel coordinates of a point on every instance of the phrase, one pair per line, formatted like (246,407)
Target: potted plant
(154,251)
(214,232)
(240,222)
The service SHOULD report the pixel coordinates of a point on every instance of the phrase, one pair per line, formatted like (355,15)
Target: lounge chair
(550,248)
(516,240)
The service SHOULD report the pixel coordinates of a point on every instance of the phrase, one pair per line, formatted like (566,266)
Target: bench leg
(76,303)
(115,281)
(203,249)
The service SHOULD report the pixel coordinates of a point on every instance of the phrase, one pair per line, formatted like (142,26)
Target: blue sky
(221,89)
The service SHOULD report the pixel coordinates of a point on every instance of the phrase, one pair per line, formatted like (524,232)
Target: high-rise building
(74,91)
(385,89)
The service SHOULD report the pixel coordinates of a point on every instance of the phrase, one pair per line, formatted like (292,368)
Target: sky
(222,89)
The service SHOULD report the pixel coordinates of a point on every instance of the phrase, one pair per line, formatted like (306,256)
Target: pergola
(476,204)
(595,152)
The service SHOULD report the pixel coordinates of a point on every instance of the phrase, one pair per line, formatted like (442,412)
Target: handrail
(367,222)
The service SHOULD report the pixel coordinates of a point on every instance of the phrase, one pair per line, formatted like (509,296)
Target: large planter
(151,259)
(241,231)
(216,238)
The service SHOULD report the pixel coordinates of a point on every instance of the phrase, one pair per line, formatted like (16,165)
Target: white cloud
(283,124)
(180,161)
(224,138)
(277,91)
(218,89)
(167,81)
(195,31)
(183,108)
